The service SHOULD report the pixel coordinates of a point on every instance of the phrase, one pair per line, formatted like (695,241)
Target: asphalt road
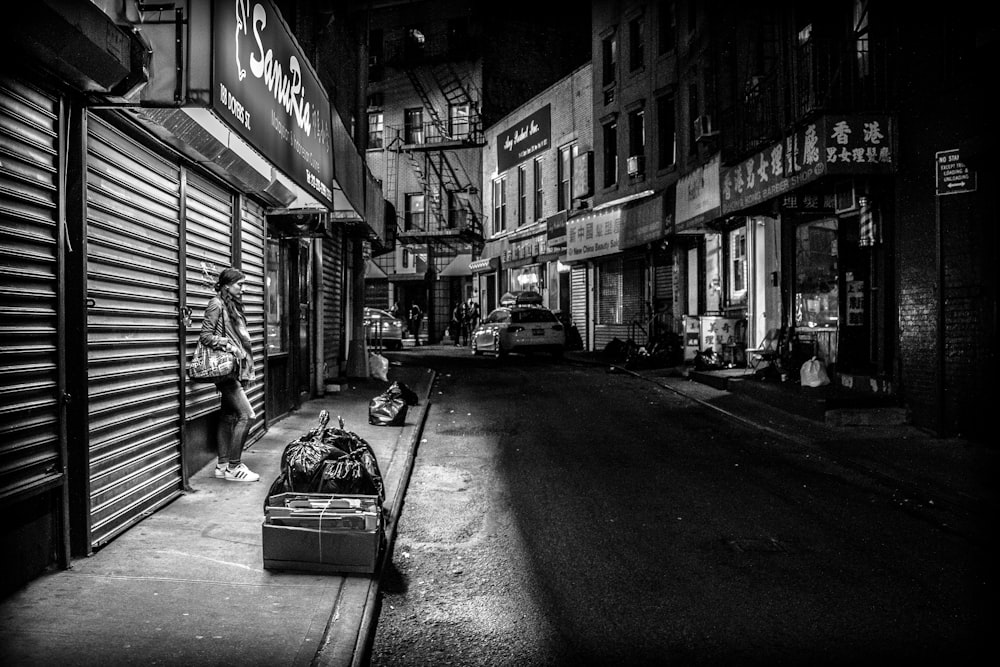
(559,514)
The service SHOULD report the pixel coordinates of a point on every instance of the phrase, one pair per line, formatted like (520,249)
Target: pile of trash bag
(329,460)
(390,407)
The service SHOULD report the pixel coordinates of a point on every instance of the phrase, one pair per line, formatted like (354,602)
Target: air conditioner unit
(636,165)
(703,128)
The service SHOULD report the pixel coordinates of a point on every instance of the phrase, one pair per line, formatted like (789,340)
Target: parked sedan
(382,326)
(519,328)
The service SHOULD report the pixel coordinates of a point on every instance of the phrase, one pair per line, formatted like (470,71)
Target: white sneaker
(241,473)
(220,471)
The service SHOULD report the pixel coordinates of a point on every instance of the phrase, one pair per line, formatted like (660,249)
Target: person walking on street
(472,315)
(224,326)
(416,317)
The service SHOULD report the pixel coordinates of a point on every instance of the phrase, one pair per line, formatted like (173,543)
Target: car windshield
(532,315)
(373,314)
(499,315)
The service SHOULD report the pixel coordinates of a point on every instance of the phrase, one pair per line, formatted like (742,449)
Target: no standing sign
(952,175)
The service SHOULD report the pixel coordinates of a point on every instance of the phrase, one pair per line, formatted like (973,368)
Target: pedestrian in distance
(394,311)
(458,325)
(225,327)
(415,318)
(472,316)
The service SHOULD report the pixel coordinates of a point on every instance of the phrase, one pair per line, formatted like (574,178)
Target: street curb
(366,631)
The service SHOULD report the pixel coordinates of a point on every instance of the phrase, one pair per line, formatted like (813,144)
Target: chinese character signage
(593,234)
(528,137)
(265,89)
(697,197)
(852,145)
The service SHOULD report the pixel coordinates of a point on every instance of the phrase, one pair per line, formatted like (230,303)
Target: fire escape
(432,148)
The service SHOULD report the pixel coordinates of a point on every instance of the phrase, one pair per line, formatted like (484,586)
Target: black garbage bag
(387,410)
(304,460)
(399,390)
(354,473)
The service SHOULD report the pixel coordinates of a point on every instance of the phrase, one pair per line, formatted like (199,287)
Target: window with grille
(737,264)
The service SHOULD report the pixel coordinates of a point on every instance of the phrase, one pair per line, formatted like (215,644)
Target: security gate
(133,339)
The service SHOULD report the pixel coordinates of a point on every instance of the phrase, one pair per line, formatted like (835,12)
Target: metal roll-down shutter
(133,331)
(30,410)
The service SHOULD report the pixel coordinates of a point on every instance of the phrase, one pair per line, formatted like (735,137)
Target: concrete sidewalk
(186,586)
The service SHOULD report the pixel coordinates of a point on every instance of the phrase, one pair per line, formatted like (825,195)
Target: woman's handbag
(211,365)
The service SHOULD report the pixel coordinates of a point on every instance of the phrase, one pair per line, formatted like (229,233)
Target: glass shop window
(816,272)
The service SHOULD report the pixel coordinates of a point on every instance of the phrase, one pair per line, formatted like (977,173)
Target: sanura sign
(265,89)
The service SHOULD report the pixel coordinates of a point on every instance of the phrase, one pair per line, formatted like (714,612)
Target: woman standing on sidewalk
(225,327)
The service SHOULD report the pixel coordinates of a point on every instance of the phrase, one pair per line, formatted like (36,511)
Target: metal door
(133,337)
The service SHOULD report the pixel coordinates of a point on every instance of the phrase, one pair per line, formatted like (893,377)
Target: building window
(539,197)
(376,55)
(666,132)
(414,214)
(375,130)
(737,265)
(610,131)
(522,195)
(564,195)
(458,120)
(636,143)
(406,261)
(668,26)
(692,114)
(609,59)
(413,126)
(637,44)
(499,205)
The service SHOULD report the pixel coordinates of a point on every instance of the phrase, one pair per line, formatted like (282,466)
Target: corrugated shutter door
(664,282)
(209,227)
(578,302)
(30,418)
(333,289)
(633,294)
(252,264)
(133,332)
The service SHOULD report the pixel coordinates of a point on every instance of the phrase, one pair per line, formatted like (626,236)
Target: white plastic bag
(379,366)
(813,374)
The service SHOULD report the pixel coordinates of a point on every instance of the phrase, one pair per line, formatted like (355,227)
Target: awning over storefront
(598,232)
(406,277)
(373,271)
(484,265)
(457,267)
(697,199)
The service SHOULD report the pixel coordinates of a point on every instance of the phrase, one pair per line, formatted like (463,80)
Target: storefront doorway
(289,317)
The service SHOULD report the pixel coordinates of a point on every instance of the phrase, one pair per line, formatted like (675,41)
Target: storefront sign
(855,303)
(556,228)
(525,249)
(593,234)
(265,89)
(698,196)
(851,145)
(952,176)
(528,137)
(642,222)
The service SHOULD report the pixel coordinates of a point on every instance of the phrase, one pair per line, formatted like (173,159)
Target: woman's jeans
(234,421)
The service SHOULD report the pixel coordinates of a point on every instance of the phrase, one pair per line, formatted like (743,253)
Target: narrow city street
(560,514)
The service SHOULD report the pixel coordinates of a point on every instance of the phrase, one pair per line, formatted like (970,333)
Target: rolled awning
(484,265)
